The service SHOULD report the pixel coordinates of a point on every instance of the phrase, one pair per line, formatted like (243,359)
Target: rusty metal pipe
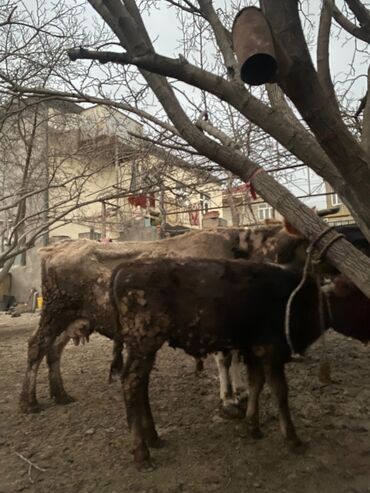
(254,47)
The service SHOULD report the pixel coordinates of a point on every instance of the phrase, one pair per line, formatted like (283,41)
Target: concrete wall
(25,277)
(138,232)
(214,223)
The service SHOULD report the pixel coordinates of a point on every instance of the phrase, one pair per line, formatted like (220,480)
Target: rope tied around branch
(326,247)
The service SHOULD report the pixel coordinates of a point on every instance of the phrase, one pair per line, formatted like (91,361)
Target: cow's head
(282,243)
(257,244)
(349,312)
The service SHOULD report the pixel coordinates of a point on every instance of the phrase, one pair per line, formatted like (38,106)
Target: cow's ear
(291,229)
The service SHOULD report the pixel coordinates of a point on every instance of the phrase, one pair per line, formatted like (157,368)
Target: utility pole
(103,220)
(45,199)
(162,209)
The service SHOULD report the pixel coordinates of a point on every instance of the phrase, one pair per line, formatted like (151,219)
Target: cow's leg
(135,373)
(116,366)
(238,378)
(199,365)
(275,375)
(79,330)
(53,357)
(228,407)
(151,435)
(256,380)
(37,347)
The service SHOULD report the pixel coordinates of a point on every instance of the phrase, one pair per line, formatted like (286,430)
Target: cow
(75,287)
(207,305)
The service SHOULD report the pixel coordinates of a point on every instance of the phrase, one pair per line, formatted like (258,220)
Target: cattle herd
(224,292)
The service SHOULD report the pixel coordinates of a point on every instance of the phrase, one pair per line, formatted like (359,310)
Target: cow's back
(213,305)
(76,274)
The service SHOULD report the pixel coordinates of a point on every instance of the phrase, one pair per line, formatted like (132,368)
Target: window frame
(266,210)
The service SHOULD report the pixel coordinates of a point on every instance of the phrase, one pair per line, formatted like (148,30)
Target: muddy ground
(85,447)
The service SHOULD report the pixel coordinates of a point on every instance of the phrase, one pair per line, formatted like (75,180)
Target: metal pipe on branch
(254,47)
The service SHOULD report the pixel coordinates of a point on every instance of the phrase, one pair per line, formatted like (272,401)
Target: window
(204,202)
(335,199)
(265,211)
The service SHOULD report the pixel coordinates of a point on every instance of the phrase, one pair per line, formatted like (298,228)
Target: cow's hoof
(232,411)
(64,399)
(199,366)
(243,402)
(29,407)
(156,442)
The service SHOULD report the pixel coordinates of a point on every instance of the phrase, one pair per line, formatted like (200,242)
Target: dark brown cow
(203,306)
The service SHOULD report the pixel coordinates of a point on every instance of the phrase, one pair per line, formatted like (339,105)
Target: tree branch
(278,101)
(361,12)
(191,8)
(222,38)
(81,97)
(323,67)
(365,136)
(358,32)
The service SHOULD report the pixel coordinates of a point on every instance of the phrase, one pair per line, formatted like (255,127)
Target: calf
(203,306)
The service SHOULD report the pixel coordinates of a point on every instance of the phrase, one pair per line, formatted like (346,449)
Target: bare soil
(85,446)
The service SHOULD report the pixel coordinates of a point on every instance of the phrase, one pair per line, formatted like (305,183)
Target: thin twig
(30,466)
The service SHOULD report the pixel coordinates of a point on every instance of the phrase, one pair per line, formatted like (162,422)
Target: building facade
(98,181)
(342,215)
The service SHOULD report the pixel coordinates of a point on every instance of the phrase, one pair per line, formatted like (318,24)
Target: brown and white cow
(75,287)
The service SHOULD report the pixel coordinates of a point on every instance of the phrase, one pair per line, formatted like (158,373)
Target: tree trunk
(299,81)
(6,268)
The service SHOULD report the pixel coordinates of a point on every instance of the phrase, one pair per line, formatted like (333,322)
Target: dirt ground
(85,447)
